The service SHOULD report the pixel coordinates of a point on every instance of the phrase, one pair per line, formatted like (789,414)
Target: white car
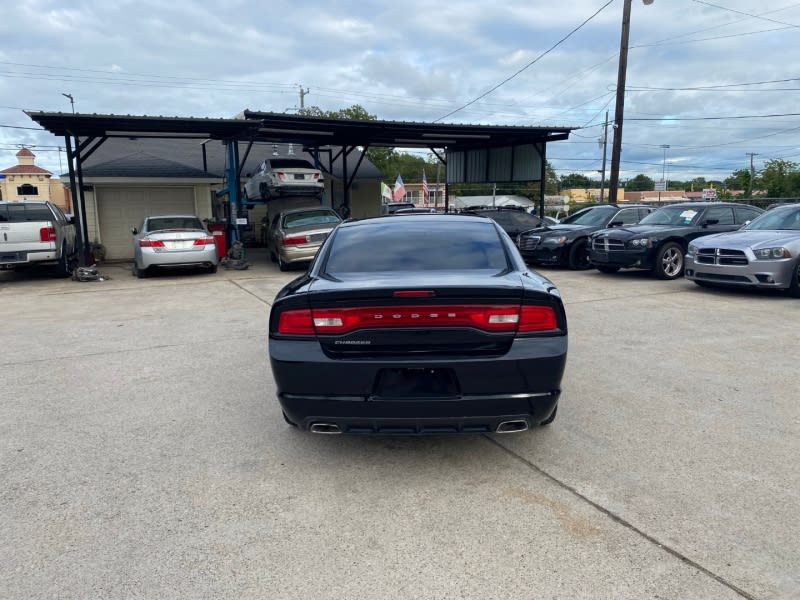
(285,177)
(173,241)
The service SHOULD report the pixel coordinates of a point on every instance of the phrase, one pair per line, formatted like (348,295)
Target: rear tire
(212,269)
(283,266)
(551,418)
(578,258)
(137,272)
(605,269)
(669,261)
(63,269)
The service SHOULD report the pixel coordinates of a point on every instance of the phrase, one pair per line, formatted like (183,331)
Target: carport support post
(78,202)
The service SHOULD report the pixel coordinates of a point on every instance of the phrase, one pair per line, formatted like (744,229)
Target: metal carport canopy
(90,131)
(323,131)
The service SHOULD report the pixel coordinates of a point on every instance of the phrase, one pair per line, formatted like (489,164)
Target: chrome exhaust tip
(512,426)
(326,428)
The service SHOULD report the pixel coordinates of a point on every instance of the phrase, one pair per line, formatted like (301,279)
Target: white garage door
(119,209)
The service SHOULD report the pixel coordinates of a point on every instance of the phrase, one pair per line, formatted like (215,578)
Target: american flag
(426,193)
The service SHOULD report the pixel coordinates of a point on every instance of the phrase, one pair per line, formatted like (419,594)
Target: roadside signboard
(709,194)
(661,186)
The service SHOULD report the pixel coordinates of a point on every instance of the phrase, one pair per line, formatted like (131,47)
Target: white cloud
(417,61)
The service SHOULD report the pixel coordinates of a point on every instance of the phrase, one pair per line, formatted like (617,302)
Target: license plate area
(600,256)
(396,384)
(299,176)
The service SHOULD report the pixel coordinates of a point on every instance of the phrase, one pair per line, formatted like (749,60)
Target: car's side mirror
(70,220)
(134,231)
(616,224)
(708,222)
(248,175)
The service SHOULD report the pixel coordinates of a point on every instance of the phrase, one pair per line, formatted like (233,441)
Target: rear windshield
(290,163)
(512,219)
(162,223)
(19,212)
(310,218)
(404,245)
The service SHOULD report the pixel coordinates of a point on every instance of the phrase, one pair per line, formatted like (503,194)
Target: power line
(530,64)
(738,12)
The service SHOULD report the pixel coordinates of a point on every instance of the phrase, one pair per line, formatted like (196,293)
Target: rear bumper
(304,253)
(523,384)
(475,415)
(206,256)
(28,257)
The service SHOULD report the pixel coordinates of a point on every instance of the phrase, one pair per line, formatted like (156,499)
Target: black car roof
(415,218)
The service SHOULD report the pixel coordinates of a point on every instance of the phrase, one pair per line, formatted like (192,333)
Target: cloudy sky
(714,80)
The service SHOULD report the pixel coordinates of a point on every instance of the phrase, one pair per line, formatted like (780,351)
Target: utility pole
(752,170)
(603,172)
(616,148)
(303,93)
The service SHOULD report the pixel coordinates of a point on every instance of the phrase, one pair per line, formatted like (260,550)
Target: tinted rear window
(290,163)
(310,218)
(395,245)
(162,223)
(21,213)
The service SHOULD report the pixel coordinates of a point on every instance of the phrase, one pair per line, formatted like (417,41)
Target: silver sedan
(172,241)
(763,254)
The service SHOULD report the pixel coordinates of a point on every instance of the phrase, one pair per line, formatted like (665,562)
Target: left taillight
(47,234)
(147,243)
(294,240)
(209,239)
(296,322)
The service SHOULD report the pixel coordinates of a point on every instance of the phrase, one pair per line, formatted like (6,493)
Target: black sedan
(512,220)
(419,324)
(660,240)
(566,244)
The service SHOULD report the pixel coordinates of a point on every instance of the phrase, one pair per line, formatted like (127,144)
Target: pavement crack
(625,523)
(244,289)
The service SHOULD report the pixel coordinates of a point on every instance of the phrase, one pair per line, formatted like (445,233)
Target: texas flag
(399,189)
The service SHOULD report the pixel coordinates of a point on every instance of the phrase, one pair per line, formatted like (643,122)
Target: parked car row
(712,244)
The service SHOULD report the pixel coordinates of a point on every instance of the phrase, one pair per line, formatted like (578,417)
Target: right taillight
(537,318)
(47,234)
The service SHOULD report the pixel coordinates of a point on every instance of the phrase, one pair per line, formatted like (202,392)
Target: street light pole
(71,101)
(616,148)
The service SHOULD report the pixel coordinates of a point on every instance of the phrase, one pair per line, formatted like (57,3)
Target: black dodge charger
(418,324)
(660,240)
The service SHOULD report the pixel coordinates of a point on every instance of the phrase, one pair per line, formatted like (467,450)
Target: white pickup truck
(37,233)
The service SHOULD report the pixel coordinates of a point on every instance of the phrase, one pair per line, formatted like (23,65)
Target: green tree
(575,180)
(640,183)
(781,178)
(739,180)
